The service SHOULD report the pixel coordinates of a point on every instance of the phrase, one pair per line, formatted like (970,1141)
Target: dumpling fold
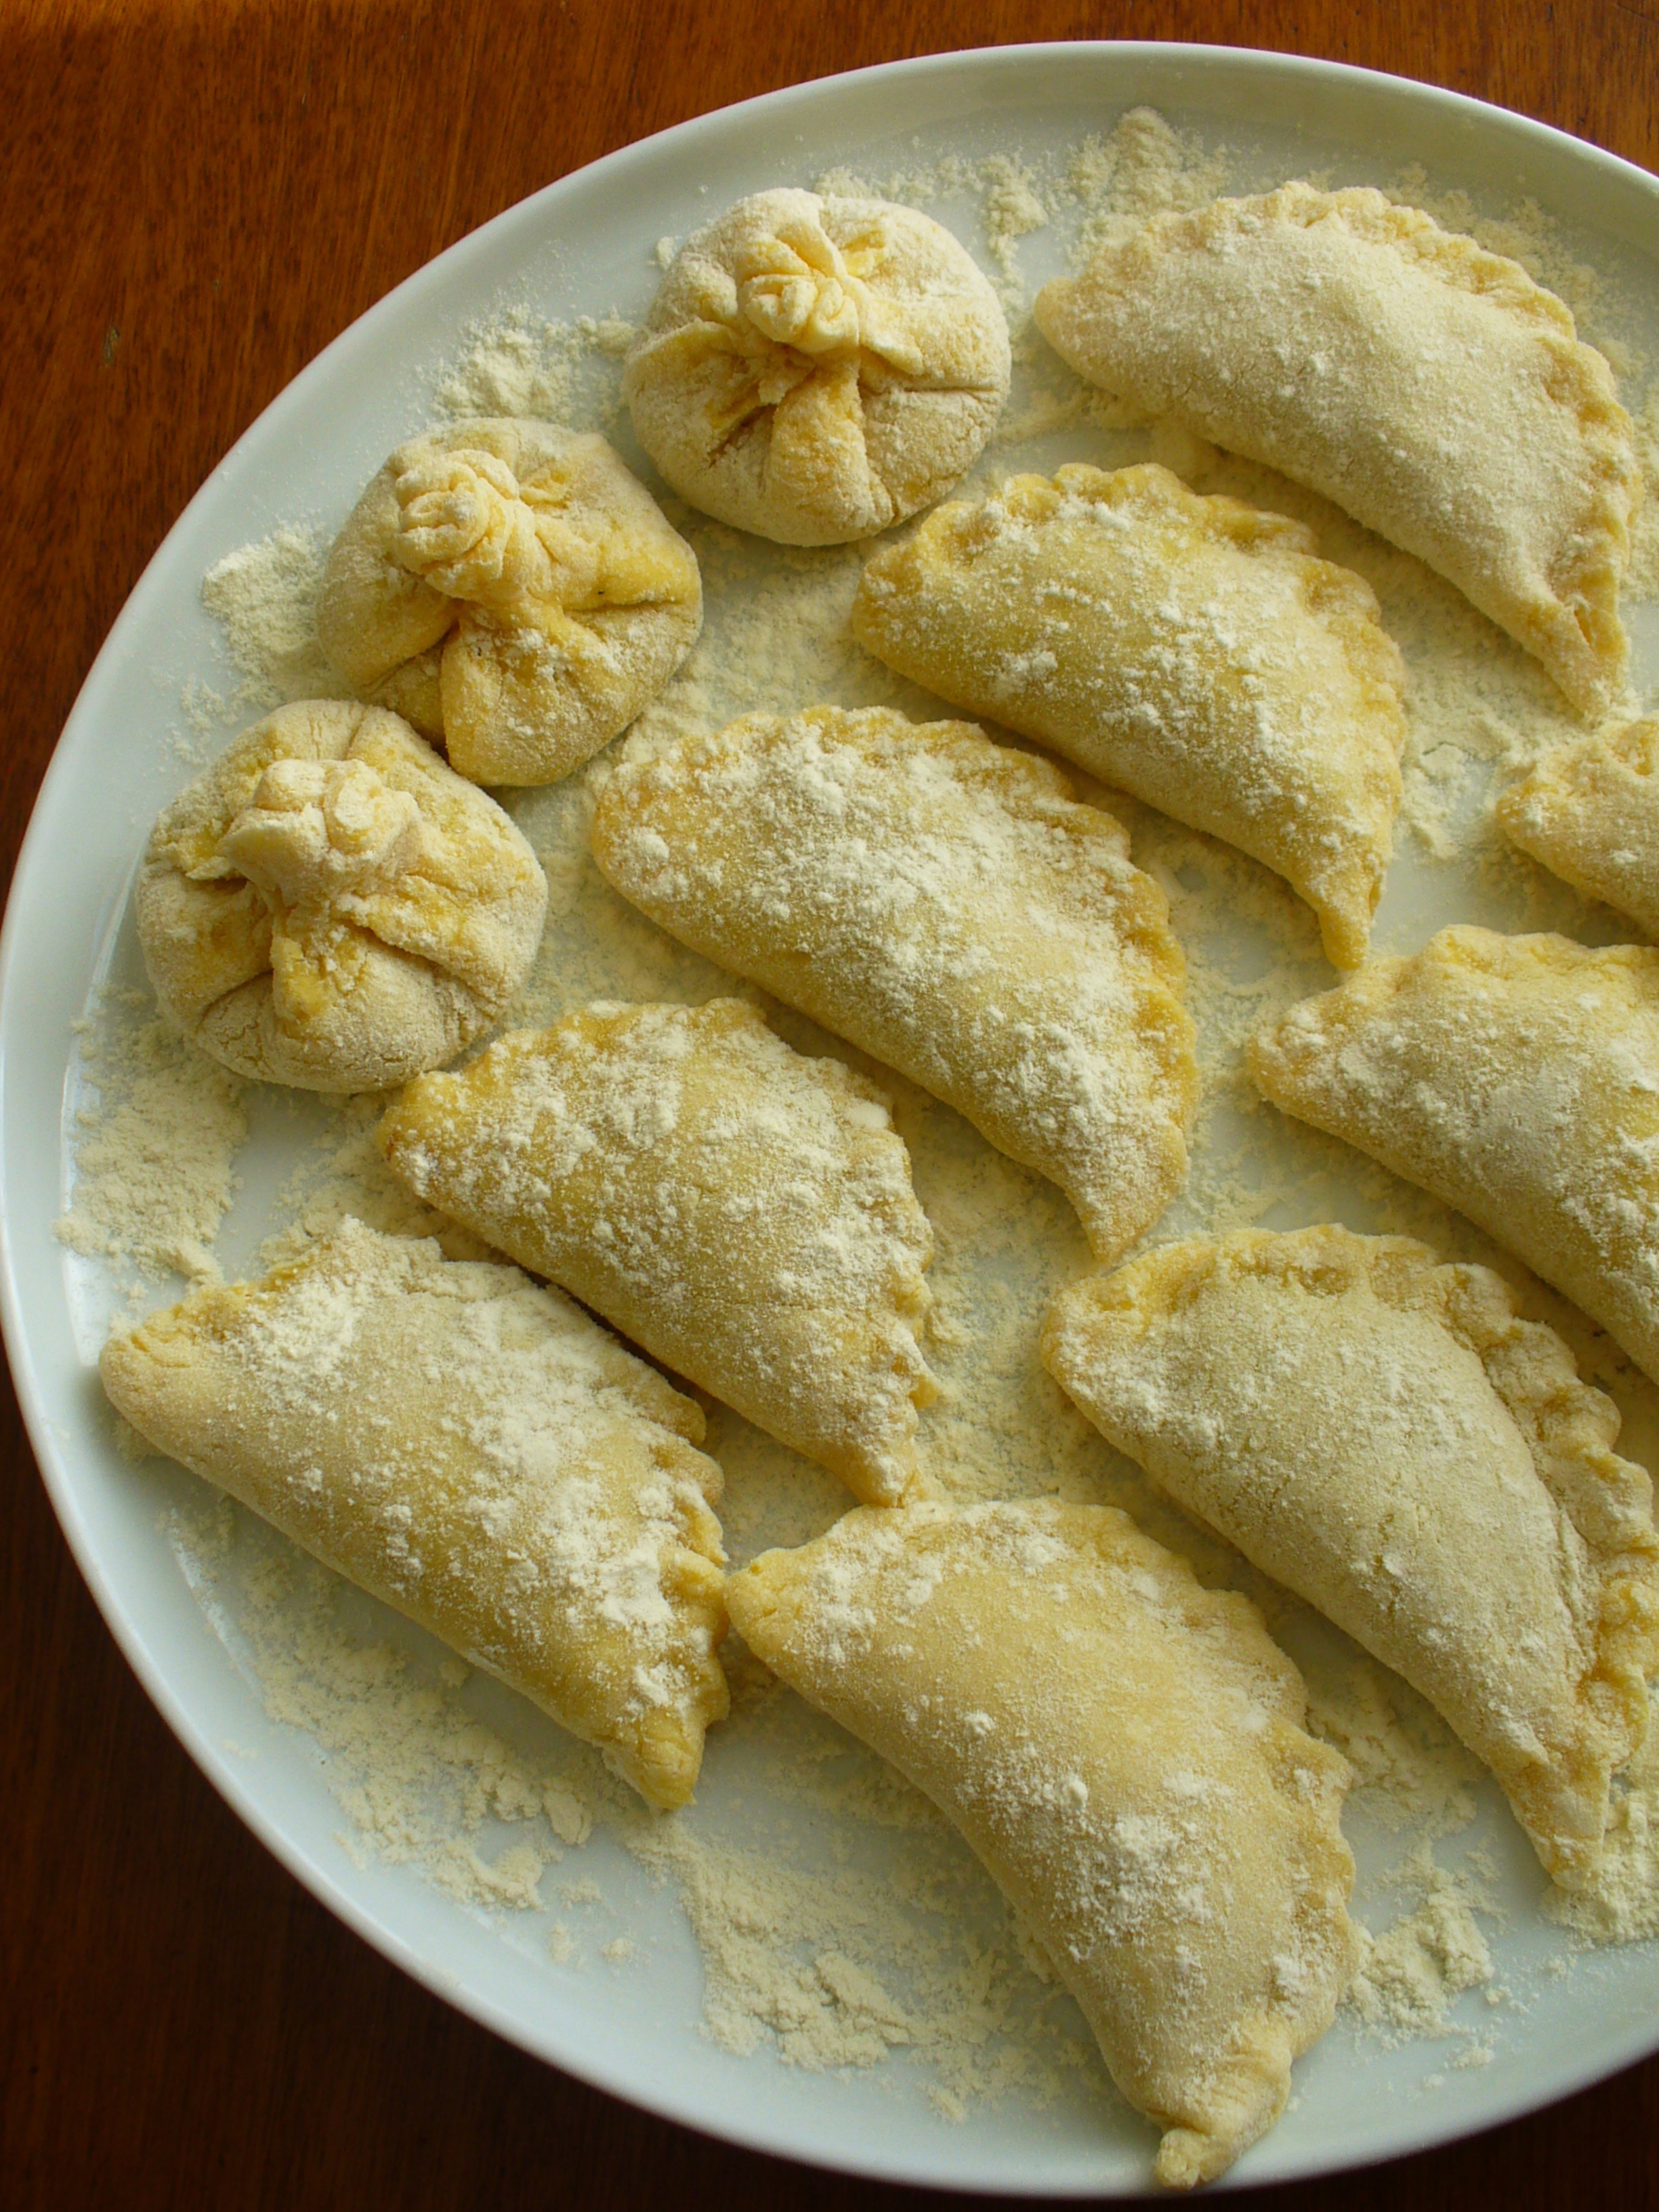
(1517,1078)
(945,904)
(475,1451)
(1589,810)
(332,908)
(742,1211)
(1124,1750)
(1192,651)
(815,368)
(511,588)
(1429,387)
(1386,1436)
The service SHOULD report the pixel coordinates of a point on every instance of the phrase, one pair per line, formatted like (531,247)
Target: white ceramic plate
(584,246)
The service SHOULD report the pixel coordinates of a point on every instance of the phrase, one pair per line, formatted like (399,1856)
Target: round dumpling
(813,369)
(330,907)
(509,588)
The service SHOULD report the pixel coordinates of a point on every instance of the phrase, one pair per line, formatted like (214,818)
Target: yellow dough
(1124,1750)
(511,588)
(947,905)
(743,1213)
(475,1451)
(1384,1436)
(1590,811)
(1427,386)
(1517,1078)
(330,907)
(815,369)
(1192,651)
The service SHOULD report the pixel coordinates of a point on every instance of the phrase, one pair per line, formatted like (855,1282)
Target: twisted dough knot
(318,833)
(797,289)
(800,290)
(469,529)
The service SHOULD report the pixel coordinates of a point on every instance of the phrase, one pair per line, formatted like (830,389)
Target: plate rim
(548,2043)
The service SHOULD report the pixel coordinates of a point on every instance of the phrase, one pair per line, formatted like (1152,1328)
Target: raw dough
(742,1213)
(1384,1436)
(1192,651)
(815,369)
(330,907)
(514,591)
(1124,1750)
(1427,386)
(1590,811)
(1517,1078)
(947,905)
(475,1451)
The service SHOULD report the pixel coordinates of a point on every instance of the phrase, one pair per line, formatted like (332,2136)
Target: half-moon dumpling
(330,907)
(1124,1750)
(514,591)
(1192,651)
(1517,1078)
(475,1451)
(1385,1436)
(1590,813)
(1427,386)
(743,1213)
(814,369)
(947,905)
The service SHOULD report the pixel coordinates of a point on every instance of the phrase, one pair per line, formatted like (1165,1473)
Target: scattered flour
(1409,1978)
(519,364)
(264,596)
(154,1155)
(1412,1772)
(417,1778)
(1141,169)
(1013,211)
(829,1966)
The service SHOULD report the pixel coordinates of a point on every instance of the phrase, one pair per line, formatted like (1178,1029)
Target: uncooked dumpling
(1124,1750)
(945,904)
(514,591)
(1192,651)
(475,1450)
(1427,386)
(330,907)
(1517,1078)
(1590,811)
(1385,1436)
(743,1213)
(814,369)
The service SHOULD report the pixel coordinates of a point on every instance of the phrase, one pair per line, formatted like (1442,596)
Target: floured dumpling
(1517,1078)
(475,1451)
(1385,1436)
(1124,1750)
(1428,386)
(514,591)
(1590,811)
(1192,651)
(813,369)
(947,905)
(743,1213)
(330,907)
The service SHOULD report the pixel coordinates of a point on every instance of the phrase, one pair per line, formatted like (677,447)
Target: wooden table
(197,197)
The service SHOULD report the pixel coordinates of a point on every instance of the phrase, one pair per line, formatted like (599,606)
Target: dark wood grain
(194,200)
